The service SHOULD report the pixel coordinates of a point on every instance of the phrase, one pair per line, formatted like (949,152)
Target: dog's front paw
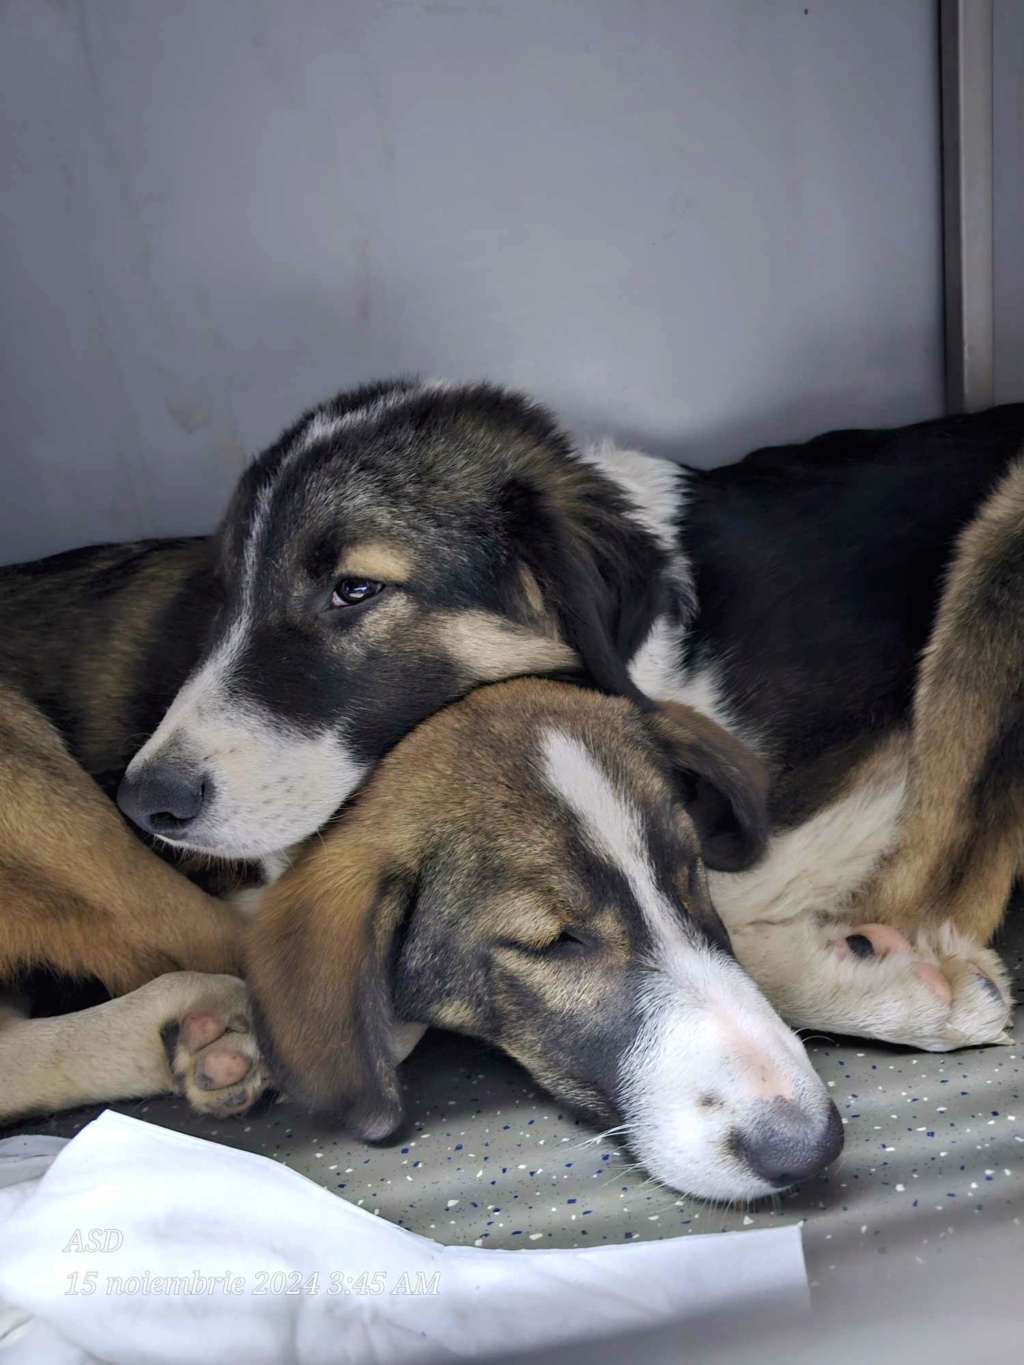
(937,992)
(213,1053)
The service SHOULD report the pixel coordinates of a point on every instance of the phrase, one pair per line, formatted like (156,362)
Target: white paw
(938,992)
(212,1051)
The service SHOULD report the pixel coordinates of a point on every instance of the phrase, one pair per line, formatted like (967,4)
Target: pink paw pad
(221,1068)
(881,940)
(198,1030)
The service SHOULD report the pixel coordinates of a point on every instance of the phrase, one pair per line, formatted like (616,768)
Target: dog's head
(393,550)
(525,867)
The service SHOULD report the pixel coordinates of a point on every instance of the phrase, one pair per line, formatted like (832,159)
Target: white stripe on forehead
(610,823)
(253,543)
(323,425)
(320,427)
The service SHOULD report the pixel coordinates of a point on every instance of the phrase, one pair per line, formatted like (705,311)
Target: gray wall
(700,224)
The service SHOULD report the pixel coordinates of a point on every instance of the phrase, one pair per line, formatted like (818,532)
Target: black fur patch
(602,575)
(818,570)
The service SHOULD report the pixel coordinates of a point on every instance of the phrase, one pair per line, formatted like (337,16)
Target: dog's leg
(908,961)
(941,991)
(962,840)
(186,1032)
(902,954)
(78,891)
(796,921)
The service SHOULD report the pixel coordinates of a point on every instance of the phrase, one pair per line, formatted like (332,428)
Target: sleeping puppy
(526,867)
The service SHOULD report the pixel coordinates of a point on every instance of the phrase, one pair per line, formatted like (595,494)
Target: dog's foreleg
(78,891)
(962,841)
(186,1032)
(939,991)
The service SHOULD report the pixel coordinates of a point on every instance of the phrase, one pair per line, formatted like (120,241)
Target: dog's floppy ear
(318,964)
(722,783)
(601,573)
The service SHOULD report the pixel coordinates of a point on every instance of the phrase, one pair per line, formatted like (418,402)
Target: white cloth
(171,1207)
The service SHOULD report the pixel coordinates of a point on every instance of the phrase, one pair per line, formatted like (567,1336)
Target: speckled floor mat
(934,1147)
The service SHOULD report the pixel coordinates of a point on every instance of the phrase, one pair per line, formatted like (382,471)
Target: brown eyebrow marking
(380,559)
(491,647)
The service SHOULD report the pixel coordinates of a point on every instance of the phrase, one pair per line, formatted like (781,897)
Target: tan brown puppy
(522,868)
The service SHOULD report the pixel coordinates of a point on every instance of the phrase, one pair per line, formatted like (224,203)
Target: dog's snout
(163,799)
(784,1143)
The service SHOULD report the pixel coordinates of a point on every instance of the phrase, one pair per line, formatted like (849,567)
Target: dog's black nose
(162,799)
(785,1144)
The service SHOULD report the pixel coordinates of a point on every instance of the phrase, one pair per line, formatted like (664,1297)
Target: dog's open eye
(351,592)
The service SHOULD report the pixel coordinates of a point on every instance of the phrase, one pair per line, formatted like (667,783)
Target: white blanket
(143,1245)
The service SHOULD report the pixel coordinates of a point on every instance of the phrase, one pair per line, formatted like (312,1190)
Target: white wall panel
(700,224)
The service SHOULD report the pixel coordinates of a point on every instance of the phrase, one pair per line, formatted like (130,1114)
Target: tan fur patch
(456,1015)
(490,647)
(382,560)
(78,891)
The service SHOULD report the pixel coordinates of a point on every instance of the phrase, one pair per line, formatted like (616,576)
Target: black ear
(319,967)
(722,783)
(600,572)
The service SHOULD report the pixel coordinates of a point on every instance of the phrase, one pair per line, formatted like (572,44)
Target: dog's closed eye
(568,941)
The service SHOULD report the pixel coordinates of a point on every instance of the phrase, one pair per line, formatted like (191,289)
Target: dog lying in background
(406,543)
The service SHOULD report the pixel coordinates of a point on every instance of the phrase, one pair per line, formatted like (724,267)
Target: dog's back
(101,638)
(818,570)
